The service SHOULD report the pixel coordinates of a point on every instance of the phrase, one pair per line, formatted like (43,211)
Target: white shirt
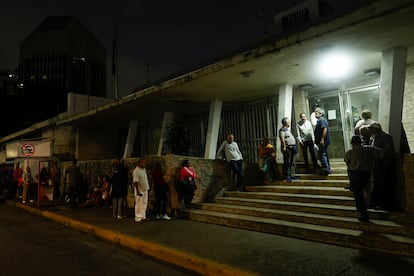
(140,175)
(231,151)
(305,131)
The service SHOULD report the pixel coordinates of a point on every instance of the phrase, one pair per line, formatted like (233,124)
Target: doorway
(342,110)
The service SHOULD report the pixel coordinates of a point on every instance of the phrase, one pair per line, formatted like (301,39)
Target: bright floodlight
(334,65)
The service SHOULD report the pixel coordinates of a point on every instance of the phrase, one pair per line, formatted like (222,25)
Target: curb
(166,254)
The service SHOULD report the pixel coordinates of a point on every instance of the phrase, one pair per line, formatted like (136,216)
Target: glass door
(354,101)
(330,103)
(343,110)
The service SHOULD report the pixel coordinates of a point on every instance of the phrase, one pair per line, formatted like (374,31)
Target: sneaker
(165,217)
(119,217)
(158,217)
(31,201)
(24,201)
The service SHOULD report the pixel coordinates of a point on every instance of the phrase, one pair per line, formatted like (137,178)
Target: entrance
(342,110)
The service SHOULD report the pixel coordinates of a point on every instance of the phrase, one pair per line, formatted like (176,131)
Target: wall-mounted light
(371,72)
(306,86)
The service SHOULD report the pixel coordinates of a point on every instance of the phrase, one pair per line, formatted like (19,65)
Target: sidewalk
(217,250)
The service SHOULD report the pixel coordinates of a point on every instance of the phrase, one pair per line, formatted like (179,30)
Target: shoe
(165,217)
(363,219)
(119,217)
(158,217)
(31,201)
(138,220)
(24,201)
(294,177)
(288,179)
(347,187)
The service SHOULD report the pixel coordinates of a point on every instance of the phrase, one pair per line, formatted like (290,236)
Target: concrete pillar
(393,66)
(130,141)
(284,110)
(167,119)
(213,129)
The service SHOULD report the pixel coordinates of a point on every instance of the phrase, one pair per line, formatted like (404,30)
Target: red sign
(28,149)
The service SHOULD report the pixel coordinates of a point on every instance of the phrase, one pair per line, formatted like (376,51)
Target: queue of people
(369,161)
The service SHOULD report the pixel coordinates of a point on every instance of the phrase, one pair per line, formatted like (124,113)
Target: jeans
(358,180)
(323,156)
(309,146)
(237,168)
(289,161)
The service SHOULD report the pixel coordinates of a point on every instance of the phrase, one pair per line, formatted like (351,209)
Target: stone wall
(212,175)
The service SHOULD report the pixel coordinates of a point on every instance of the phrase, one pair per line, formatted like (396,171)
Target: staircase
(315,208)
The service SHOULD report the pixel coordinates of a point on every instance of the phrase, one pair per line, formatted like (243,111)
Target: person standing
(74,181)
(366,120)
(16,176)
(119,188)
(234,157)
(289,149)
(187,178)
(382,196)
(161,192)
(267,155)
(313,118)
(359,161)
(306,139)
(322,140)
(141,187)
(55,175)
(27,185)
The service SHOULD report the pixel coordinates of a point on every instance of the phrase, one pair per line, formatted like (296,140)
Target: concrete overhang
(258,72)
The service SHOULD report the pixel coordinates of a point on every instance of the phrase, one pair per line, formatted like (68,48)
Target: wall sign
(28,149)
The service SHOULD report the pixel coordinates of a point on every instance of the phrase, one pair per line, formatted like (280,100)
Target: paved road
(208,247)
(33,245)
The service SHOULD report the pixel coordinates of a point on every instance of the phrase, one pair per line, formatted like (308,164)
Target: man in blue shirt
(322,140)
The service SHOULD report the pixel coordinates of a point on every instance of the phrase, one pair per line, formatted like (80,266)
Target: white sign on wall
(28,149)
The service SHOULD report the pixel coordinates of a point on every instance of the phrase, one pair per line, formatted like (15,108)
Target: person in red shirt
(187,178)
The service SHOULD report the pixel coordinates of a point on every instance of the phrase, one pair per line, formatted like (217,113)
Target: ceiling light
(306,86)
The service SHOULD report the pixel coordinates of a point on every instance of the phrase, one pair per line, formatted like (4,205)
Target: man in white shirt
(141,187)
(306,139)
(235,159)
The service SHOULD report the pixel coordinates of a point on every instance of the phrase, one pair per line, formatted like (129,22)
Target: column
(393,66)
(284,110)
(130,141)
(167,119)
(213,129)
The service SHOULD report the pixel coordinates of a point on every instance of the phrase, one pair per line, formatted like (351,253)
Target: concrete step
(305,198)
(313,208)
(349,222)
(292,188)
(333,176)
(311,182)
(359,239)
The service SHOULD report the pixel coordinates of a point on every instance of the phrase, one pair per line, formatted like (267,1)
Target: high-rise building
(61,55)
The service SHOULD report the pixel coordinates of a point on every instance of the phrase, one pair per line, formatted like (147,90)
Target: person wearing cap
(322,140)
(382,196)
(359,161)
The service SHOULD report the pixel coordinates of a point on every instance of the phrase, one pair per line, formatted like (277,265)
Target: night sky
(170,36)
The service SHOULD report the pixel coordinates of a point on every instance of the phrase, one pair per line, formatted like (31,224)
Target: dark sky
(170,36)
